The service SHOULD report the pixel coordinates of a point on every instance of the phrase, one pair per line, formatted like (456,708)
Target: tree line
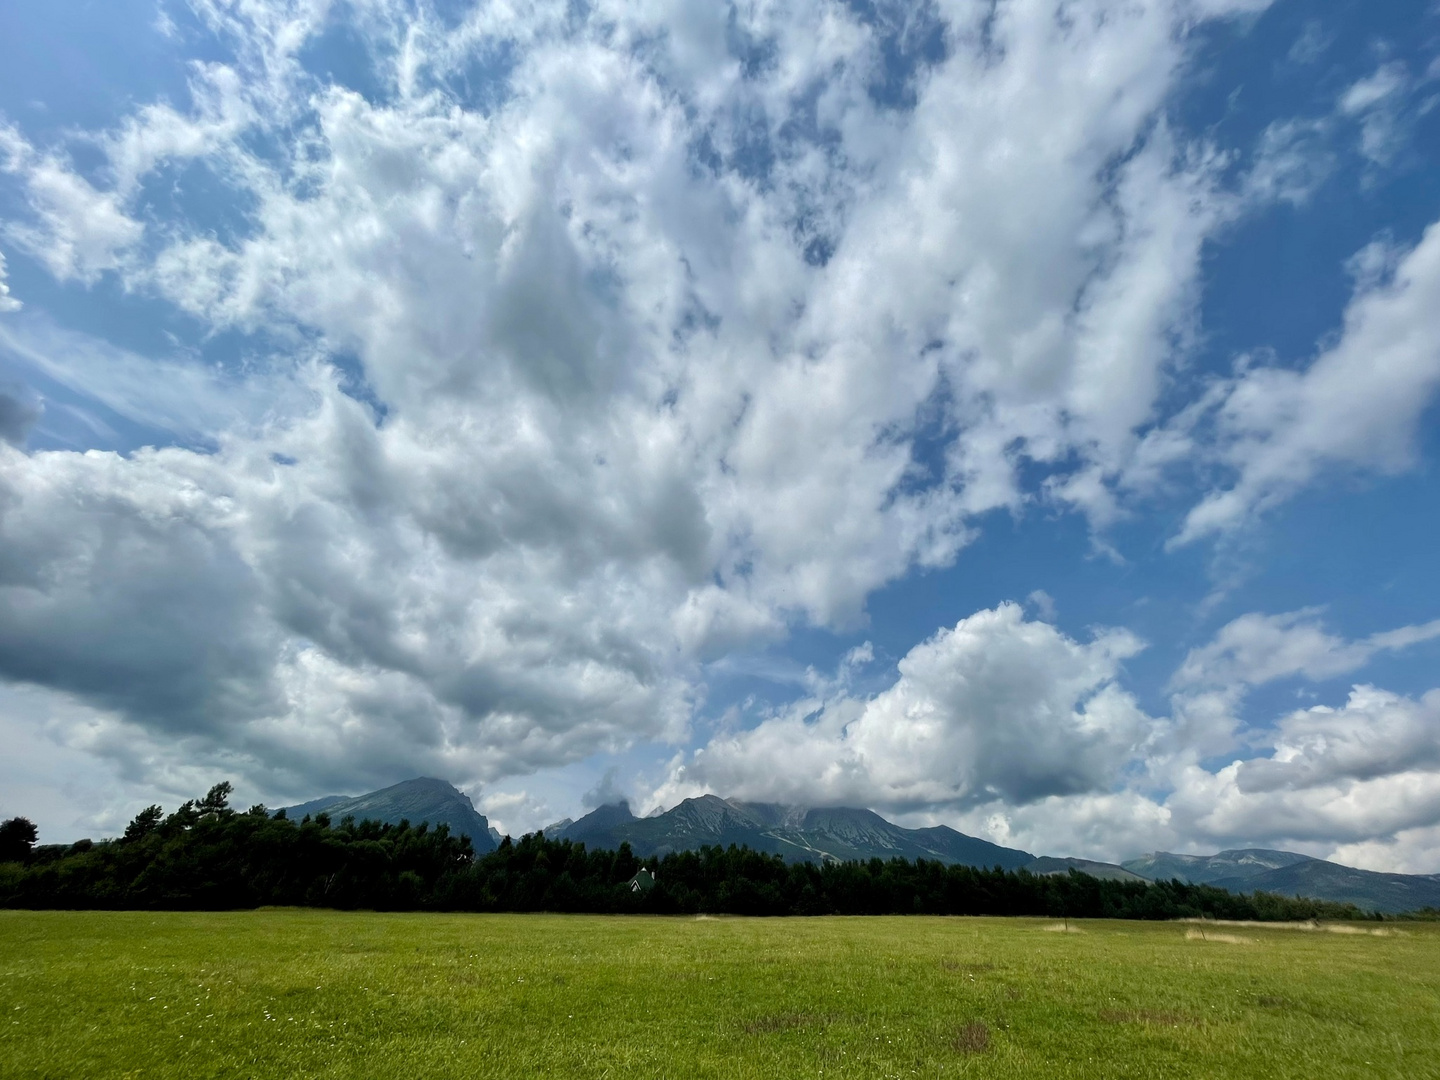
(208,856)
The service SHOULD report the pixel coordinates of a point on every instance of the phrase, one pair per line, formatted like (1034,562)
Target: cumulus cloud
(1375,734)
(1007,728)
(603,310)
(1353,775)
(1408,851)
(996,708)
(598,346)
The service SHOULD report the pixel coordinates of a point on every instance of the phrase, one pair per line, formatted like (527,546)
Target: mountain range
(838,834)
(798,833)
(1291,874)
(422,799)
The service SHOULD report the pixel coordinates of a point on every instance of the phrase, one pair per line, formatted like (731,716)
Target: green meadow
(305,993)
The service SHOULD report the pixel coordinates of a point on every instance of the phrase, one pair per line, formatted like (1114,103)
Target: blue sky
(1020,416)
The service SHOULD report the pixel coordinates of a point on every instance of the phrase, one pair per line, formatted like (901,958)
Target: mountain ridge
(423,799)
(1289,873)
(796,833)
(840,834)
(1207,869)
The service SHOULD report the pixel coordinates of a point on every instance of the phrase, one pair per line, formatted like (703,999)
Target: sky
(1019,415)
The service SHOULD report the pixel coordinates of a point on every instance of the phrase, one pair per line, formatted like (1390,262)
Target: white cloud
(1364,95)
(1293,158)
(64,790)
(78,231)
(659,331)
(1314,41)
(175,394)
(997,707)
(1409,851)
(1354,775)
(1008,729)
(1357,405)
(1107,826)
(1043,603)
(276,631)
(1256,649)
(8,303)
(1376,102)
(1375,734)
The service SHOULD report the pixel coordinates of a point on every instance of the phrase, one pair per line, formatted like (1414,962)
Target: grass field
(325,994)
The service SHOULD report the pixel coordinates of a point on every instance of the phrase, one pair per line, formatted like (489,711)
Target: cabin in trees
(642,882)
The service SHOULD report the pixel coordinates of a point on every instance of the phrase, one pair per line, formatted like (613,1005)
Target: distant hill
(1290,874)
(1238,864)
(1047,864)
(421,799)
(799,834)
(840,834)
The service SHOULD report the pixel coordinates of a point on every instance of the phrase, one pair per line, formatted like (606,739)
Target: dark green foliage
(17,839)
(145,823)
(217,799)
(207,856)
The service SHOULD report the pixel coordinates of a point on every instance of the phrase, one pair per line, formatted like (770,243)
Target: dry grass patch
(1215,936)
(1062,928)
(1309,925)
(971,1038)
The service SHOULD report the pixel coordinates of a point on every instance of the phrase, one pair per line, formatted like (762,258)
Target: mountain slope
(1235,864)
(1292,874)
(1047,864)
(421,799)
(799,834)
(1366,889)
(597,822)
(314,806)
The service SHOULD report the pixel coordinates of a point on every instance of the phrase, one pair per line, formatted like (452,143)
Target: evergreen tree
(17,839)
(207,856)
